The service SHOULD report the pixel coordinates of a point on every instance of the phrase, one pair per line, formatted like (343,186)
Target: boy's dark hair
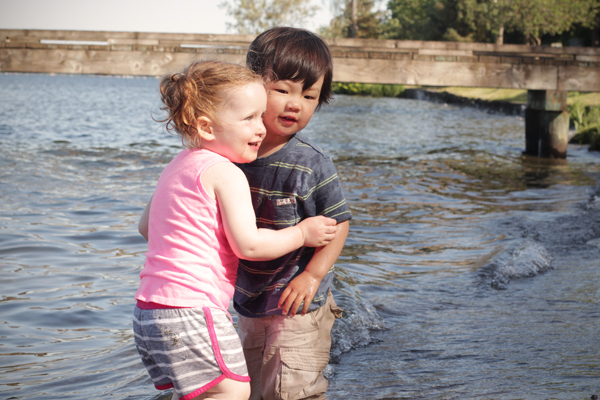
(285,53)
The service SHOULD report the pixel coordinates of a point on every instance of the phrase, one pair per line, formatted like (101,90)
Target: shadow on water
(470,270)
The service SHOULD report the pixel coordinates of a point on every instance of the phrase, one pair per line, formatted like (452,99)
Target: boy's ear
(204,126)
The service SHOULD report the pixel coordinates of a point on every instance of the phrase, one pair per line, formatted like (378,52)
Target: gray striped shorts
(188,349)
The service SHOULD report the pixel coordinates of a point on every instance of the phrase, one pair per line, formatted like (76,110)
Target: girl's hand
(318,231)
(301,289)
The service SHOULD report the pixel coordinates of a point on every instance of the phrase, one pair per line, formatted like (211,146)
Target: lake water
(470,272)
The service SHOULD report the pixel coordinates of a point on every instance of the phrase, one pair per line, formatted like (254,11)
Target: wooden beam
(355,60)
(427,73)
(103,62)
(578,79)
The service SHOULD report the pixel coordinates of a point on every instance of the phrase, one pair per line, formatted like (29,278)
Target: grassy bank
(584,108)
(368,89)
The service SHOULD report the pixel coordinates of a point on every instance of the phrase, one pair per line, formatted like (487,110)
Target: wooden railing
(355,60)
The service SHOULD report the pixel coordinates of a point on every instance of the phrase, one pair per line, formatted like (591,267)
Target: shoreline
(499,106)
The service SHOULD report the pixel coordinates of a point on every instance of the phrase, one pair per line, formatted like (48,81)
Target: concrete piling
(546,124)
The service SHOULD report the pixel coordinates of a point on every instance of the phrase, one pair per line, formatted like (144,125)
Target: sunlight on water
(447,211)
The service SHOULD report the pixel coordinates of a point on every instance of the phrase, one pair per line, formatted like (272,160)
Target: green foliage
(586,120)
(452,35)
(487,20)
(576,113)
(368,89)
(256,16)
(582,116)
(589,135)
(368,21)
(538,17)
(420,19)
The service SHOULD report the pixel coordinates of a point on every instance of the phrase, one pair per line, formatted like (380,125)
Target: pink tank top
(189,262)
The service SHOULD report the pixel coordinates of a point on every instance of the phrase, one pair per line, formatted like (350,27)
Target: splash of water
(529,259)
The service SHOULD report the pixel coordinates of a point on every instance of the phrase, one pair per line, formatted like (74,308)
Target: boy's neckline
(277,148)
(280,154)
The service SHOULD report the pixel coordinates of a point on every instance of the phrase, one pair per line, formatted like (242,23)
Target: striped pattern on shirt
(296,182)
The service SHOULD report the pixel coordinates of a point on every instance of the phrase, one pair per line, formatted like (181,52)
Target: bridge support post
(546,124)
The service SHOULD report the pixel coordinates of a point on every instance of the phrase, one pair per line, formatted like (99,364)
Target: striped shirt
(296,182)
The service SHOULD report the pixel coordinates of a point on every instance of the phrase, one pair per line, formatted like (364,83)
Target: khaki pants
(286,355)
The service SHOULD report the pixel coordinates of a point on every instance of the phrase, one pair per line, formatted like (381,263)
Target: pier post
(546,124)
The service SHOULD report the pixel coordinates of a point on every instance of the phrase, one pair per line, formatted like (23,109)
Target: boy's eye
(281,91)
(309,97)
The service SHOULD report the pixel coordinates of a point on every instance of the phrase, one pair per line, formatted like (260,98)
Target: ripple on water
(441,197)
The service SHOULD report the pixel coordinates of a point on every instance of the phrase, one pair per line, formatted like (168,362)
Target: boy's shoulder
(305,146)
(299,151)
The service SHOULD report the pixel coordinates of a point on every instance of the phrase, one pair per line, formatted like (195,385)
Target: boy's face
(289,108)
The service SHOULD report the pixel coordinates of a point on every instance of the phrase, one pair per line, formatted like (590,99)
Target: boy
(291,180)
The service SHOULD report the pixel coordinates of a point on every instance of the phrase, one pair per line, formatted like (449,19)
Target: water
(470,271)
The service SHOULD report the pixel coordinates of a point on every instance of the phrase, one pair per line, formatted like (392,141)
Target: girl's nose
(261,130)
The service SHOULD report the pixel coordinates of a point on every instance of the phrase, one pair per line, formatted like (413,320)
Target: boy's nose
(293,105)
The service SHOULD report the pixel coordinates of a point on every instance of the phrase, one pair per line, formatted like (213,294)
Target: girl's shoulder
(222,174)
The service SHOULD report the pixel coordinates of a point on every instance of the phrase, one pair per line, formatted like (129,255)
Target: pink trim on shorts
(217,350)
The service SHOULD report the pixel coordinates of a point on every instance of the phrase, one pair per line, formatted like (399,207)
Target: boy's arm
(143,224)
(303,287)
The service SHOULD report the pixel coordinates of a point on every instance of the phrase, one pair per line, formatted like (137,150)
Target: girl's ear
(204,126)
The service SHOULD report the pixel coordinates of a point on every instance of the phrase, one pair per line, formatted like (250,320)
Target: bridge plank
(577,79)
(355,60)
(415,72)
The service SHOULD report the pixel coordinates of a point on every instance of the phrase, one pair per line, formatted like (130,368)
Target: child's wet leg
(228,389)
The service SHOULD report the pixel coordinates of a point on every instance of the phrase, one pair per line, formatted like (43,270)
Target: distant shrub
(589,135)
(582,116)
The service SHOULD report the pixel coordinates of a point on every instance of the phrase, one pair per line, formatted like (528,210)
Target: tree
(488,20)
(420,19)
(535,18)
(485,20)
(256,16)
(354,18)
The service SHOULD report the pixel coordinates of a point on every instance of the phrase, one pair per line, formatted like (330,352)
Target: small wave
(353,330)
(6,129)
(529,259)
(594,203)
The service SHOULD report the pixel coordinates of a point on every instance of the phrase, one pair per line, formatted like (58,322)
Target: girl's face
(240,129)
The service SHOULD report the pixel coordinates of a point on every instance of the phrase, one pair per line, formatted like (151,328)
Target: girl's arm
(231,190)
(303,287)
(143,224)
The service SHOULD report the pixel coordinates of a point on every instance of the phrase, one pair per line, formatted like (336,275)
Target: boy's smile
(289,110)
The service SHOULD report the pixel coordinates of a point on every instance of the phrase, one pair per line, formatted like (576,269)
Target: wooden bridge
(548,73)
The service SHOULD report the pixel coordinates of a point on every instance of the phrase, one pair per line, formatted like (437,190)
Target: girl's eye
(281,91)
(249,118)
(309,97)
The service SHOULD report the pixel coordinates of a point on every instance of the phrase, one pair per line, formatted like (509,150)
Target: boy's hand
(301,289)
(318,231)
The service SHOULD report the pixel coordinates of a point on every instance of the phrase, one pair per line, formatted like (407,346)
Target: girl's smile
(238,130)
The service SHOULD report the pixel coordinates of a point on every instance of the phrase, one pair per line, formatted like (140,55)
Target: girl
(200,221)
